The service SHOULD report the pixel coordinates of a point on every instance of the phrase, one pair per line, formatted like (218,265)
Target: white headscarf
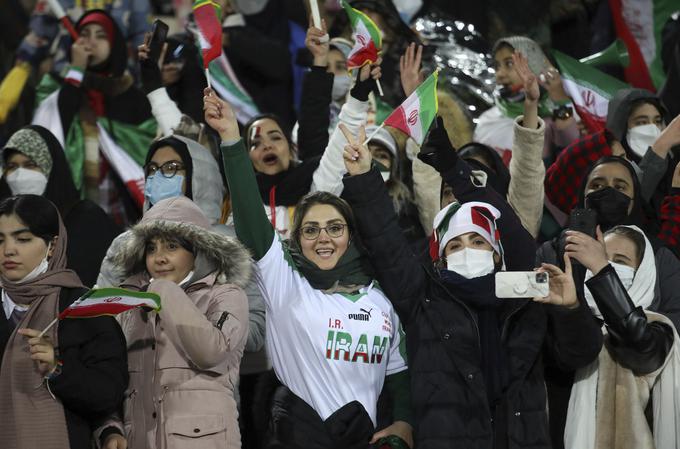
(642,290)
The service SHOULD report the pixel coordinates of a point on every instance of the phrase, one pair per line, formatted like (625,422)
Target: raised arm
(317,87)
(398,270)
(527,172)
(252,226)
(328,177)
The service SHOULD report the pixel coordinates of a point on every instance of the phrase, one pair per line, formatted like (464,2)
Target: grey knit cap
(343,45)
(29,143)
(538,62)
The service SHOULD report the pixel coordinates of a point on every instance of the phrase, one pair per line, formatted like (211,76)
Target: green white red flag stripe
(207,16)
(110,301)
(228,87)
(129,171)
(415,115)
(367,38)
(589,88)
(637,73)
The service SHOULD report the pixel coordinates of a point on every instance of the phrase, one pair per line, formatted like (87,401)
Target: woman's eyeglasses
(312,232)
(168,169)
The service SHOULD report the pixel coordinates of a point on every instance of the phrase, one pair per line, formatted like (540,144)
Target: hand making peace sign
(357,156)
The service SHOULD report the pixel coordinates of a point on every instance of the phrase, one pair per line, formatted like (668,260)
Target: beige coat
(184,360)
(527,172)
(184,365)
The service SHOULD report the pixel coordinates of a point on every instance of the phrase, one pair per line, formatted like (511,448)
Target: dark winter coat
(95,373)
(449,395)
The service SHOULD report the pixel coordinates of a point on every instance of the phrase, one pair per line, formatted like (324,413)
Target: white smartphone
(522,284)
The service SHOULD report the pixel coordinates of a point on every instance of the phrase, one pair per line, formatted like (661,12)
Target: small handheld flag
(415,115)
(367,40)
(207,15)
(107,301)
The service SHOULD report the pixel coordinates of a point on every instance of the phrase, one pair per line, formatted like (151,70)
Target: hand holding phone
(562,290)
(159,32)
(522,284)
(583,221)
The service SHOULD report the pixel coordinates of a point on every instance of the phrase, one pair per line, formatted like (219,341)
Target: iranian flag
(110,301)
(207,15)
(367,38)
(590,90)
(416,113)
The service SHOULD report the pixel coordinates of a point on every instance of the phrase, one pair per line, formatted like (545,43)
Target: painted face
(381,154)
(269,149)
(613,175)
(621,249)
(324,247)
(337,64)
(470,240)
(20,250)
(645,114)
(20,160)
(505,70)
(167,155)
(98,41)
(168,260)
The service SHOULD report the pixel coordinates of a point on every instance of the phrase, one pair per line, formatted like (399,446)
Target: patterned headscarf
(31,144)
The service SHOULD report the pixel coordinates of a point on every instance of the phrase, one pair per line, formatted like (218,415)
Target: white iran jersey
(328,349)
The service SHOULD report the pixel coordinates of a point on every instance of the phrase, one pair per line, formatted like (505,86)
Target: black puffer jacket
(449,395)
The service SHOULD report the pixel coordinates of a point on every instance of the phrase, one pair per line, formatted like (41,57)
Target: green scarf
(514,109)
(352,271)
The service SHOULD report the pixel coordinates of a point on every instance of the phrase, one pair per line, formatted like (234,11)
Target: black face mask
(611,206)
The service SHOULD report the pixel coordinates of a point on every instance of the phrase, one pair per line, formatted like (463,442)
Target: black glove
(437,150)
(361,89)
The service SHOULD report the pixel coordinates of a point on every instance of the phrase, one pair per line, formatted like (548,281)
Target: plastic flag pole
(368,139)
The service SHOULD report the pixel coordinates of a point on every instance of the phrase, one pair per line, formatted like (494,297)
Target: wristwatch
(563,112)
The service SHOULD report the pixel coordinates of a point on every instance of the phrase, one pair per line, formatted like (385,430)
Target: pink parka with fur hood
(184,360)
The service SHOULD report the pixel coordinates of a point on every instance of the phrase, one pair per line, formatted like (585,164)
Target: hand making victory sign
(356,154)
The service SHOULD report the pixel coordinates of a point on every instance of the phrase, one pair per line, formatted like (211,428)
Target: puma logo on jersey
(366,316)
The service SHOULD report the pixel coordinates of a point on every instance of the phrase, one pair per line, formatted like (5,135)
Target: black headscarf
(637,215)
(181,149)
(60,188)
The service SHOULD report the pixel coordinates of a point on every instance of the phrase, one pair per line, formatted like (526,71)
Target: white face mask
(471,263)
(39,269)
(626,274)
(340,87)
(24,181)
(640,138)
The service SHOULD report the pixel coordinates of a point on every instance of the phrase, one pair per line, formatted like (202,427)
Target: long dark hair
(36,212)
(317,198)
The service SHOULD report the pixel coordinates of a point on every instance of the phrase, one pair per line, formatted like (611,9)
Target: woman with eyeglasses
(333,336)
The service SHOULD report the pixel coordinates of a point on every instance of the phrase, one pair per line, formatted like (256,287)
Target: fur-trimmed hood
(181,217)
